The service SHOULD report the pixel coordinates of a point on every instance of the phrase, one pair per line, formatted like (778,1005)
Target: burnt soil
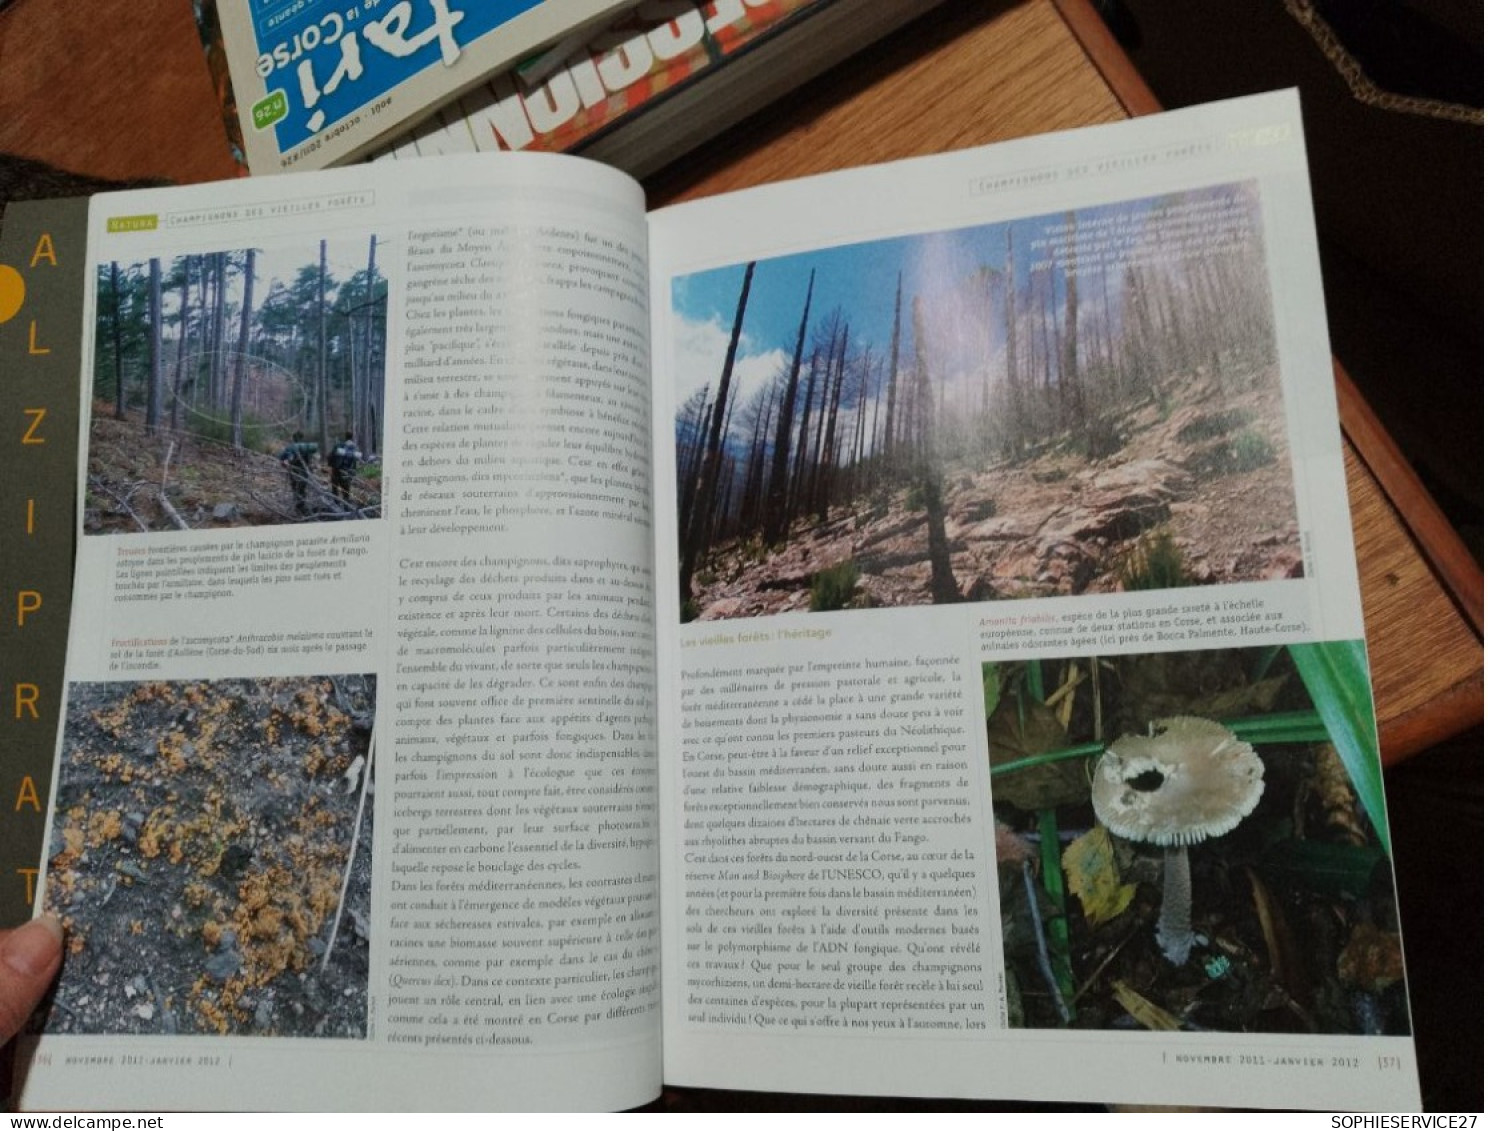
(210,485)
(200,841)
(1208,467)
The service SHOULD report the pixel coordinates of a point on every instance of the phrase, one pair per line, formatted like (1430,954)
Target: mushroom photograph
(1194,841)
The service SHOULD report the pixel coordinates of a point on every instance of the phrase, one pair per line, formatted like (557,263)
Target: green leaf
(1336,674)
(991,687)
(1059,942)
(1331,869)
(1267,730)
(1036,679)
(1288,726)
(1263,663)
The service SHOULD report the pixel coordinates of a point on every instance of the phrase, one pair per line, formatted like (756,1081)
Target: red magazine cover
(651,52)
(578,92)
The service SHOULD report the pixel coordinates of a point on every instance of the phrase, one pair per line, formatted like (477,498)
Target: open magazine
(894,632)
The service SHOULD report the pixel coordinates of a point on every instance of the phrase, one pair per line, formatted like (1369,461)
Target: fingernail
(31,950)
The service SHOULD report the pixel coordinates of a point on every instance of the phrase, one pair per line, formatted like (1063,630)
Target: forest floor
(198,856)
(1294,908)
(1209,470)
(209,485)
(1277,949)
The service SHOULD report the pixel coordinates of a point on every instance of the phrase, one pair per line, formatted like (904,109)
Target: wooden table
(119,89)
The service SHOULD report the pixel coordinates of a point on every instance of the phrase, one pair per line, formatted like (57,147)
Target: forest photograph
(1194,841)
(238,388)
(1087,401)
(211,857)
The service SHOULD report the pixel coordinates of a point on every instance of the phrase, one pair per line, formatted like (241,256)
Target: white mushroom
(1186,781)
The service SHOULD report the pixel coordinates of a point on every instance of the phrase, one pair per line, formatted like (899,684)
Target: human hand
(29,959)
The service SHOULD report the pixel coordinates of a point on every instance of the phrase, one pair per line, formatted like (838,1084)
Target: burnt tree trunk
(322,378)
(777,514)
(185,323)
(890,420)
(799,477)
(240,370)
(943,588)
(1018,409)
(702,515)
(219,331)
(690,460)
(827,465)
(366,439)
(1070,395)
(157,363)
(118,342)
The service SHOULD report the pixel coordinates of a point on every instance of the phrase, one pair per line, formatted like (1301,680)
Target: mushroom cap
(1188,780)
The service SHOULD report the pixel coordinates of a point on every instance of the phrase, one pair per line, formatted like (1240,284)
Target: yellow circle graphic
(12,292)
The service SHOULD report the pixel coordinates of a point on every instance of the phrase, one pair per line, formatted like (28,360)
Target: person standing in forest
(297,458)
(345,457)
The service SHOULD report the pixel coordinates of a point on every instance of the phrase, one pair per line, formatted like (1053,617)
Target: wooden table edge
(1444,551)
(1449,713)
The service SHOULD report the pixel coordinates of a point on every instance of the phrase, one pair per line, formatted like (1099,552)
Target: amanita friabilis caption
(1188,780)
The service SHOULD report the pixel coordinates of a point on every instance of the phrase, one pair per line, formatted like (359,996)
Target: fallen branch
(96,483)
(338,514)
(272,508)
(351,853)
(1044,966)
(1104,962)
(165,503)
(172,513)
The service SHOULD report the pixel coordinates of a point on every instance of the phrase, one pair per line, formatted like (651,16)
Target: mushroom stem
(1175,935)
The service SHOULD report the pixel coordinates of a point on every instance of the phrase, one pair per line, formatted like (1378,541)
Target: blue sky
(938,266)
(859,278)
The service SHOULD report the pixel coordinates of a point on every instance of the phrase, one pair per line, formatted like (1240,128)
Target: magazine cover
(317,81)
(646,54)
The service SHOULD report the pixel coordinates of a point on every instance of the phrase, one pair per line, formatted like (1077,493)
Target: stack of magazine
(636,89)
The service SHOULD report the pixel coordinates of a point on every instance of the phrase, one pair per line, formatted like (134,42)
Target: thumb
(29,959)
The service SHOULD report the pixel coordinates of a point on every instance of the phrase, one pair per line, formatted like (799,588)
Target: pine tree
(890,420)
(943,588)
(116,316)
(240,374)
(321,375)
(1016,397)
(777,516)
(702,516)
(153,392)
(827,464)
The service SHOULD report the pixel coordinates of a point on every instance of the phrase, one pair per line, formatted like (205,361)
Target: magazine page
(317,81)
(1024,745)
(355,782)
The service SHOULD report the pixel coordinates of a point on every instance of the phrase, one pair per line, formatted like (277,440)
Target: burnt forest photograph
(1194,841)
(1087,401)
(238,388)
